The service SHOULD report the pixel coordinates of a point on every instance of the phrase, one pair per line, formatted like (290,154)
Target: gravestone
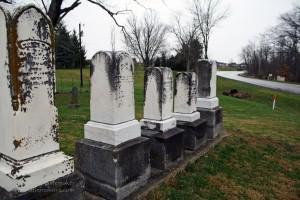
(29,148)
(158,124)
(185,97)
(185,111)
(207,102)
(74,98)
(112,144)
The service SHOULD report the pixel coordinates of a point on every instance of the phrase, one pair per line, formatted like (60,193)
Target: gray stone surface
(206,71)
(214,118)
(68,187)
(166,148)
(74,98)
(214,131)
(113,172)
(195,134)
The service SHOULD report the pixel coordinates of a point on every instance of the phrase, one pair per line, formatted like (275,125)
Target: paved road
(234,75)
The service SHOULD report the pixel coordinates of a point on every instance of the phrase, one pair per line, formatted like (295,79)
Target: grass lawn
(259,160)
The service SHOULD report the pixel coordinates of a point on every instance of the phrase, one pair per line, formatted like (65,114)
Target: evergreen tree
(68,49)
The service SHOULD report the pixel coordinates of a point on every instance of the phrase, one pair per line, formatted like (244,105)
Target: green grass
(259,160)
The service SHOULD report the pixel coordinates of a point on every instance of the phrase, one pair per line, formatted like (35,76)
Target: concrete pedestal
(195,134)
(214,118)
(113,172)
(166,147)
(67,187)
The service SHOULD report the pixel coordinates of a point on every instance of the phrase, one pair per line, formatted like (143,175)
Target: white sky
(247,19)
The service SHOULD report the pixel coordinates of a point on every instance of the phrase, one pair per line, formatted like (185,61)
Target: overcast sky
(247,19)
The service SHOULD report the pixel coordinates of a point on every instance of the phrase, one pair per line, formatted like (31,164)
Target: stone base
(166,148)
(113,172)
(207,103)
(22,176)
(191,117)
(214,118)
(195,134)
(214,131)
(67,187)
(163,125)
(112,134)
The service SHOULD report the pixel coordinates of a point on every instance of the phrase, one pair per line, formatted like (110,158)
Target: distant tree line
(276,52)
(68,49)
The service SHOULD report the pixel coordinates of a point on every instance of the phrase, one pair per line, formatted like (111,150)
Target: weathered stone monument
(74,98)
(30,159)
(207,102)
(113,157)
(185,111)
(158,124)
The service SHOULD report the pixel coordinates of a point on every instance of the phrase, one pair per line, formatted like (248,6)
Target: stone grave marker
(74,98)
(207,102)
(29,148)
(112,144)
(186,97)
(158,124)
(158,102)
(185,111)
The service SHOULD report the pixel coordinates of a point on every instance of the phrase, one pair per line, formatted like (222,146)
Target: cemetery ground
(260,158)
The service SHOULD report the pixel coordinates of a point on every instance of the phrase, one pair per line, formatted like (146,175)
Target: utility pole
(80,55)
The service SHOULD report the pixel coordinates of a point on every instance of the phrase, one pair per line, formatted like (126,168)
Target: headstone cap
(18,11)
(110,54)
(188,74)
(207,61)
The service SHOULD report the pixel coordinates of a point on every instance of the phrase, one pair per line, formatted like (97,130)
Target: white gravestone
(207,84)
(29,148)
(112,99)
(185,97)
(158,102)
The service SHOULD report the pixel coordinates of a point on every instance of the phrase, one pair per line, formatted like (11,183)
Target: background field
(259,160)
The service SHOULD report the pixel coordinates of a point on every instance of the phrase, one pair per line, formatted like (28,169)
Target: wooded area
(276,52)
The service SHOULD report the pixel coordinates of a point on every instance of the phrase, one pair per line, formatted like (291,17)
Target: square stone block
(113,134)
(67,187)
(113,172)
(212,116)
(166,147)
(207,103)
(195,134)
(214,131)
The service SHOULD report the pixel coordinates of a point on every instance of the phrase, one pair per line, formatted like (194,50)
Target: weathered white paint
(34,124)
(28,129)
(112,99)
(112,88)
(158,103)
(185,97)
(190,117)
(207,103)
(35,172)
(161,125)
(5,100)
(112,134)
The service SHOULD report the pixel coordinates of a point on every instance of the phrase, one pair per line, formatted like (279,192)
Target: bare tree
(207,15)
(145,38)
(6,1)
(185,36)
